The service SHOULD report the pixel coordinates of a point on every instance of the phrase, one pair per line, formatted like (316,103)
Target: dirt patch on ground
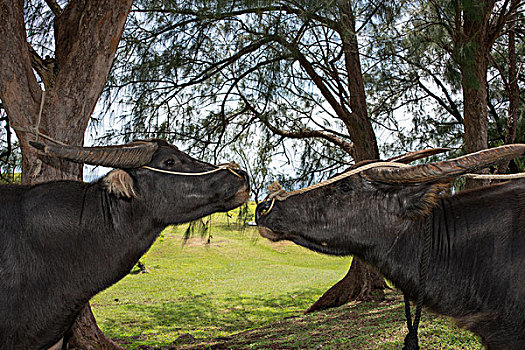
(279,246)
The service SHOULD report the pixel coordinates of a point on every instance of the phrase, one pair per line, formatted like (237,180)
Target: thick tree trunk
(361,282)
(475,104)
(475,121)
(87,34)
(474,61)
(85,334)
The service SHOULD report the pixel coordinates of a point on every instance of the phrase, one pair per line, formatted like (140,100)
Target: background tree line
(293,90)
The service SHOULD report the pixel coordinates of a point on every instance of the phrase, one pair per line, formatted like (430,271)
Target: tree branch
(450,109)
(303,132)
(46,68)
(19,88)
(201,15)
(55,7)
(495,29)
(341,111)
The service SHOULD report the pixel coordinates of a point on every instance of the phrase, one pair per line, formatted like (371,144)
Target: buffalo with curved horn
(65,241)
(476,238)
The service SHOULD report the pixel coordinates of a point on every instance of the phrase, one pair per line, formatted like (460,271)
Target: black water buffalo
(63,242)
(476,271)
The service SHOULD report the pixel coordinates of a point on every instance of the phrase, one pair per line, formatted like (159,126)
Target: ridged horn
(412,156)
(447,168)
(131,155)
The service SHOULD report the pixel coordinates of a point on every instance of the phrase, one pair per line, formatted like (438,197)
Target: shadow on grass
(147,324)
(356,326)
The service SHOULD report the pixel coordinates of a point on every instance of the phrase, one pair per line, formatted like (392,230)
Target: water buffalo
(62,242)
(476,266)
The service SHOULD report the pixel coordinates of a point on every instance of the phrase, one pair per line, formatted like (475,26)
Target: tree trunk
(475,104)
(513,88)
(361,282)
(87,34)
(475,47)
(475,121)
(85,334)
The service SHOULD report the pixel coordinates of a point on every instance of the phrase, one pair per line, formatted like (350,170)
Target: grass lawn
(243,292)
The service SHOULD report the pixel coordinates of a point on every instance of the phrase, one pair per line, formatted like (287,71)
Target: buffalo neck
(462,275)
(128,230)
(96,238)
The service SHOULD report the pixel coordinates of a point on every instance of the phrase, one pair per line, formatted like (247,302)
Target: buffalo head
(368,208)
(173,186)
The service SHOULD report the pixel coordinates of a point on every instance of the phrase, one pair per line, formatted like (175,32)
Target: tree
(511,85)
(58,101)
(444,53)
(207,73)
(473,27)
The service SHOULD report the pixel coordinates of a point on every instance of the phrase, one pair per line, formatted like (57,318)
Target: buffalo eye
(170,162)
(345,187)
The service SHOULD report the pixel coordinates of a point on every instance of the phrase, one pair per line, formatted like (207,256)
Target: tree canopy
(268,80)
(229,77)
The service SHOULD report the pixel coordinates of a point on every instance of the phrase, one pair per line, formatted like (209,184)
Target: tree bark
(475,121)
(512,87)
(475,104)
(475,46)
(474,39)
(87,34)
(361,282)
(85,334)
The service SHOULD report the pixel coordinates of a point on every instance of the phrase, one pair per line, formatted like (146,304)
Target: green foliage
(10,178)
(212,75)
(428,51)
(416,76)
(201,226)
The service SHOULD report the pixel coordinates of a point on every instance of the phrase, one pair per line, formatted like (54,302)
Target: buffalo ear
(119,183)
(419,200)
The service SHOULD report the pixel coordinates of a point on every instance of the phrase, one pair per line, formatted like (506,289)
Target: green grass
(251,293)
(354,326)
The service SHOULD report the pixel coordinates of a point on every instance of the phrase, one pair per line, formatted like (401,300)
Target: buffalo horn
(412,156)
(447,168)
(131,155)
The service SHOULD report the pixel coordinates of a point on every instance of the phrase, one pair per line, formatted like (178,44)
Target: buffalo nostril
(262,209)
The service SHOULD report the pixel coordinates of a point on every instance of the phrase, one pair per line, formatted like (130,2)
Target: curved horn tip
(416,155)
